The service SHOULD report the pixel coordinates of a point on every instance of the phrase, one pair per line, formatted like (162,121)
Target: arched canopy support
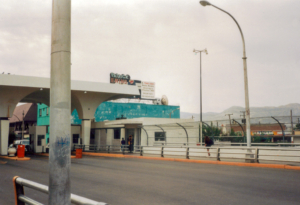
(187,136)
(146,134)
(280,126)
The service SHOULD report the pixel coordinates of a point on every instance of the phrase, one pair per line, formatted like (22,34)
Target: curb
(15,158)
(241,164)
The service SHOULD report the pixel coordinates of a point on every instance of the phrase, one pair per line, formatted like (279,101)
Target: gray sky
(153,41)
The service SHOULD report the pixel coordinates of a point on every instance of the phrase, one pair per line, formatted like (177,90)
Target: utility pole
(229,121)
(292,122)
(60,102)
(23,126)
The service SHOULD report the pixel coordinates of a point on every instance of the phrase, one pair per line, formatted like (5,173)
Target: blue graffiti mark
(62,141)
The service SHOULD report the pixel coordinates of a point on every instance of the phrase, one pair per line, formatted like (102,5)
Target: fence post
(187,153)
(256,155)
(19,190)
(162,151)
(141,152)
(108,149)
(218,154)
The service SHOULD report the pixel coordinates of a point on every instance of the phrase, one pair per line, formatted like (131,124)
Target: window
(40,138)
(47,111)
(117,133)
(160,136)
(75,138)
(40,112)
(48,140)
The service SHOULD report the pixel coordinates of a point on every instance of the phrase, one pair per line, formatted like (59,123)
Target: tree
(210,131)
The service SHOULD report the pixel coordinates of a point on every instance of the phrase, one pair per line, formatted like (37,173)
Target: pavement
(15,158)
(127,180)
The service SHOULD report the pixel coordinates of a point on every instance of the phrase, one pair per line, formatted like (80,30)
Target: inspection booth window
(160,136)
(117,133)
(47,111)
(75,138)
(40,138)
(40,112)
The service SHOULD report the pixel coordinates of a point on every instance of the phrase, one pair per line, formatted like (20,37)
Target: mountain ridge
(255,112)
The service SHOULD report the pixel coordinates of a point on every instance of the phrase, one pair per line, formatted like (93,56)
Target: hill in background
(282,112)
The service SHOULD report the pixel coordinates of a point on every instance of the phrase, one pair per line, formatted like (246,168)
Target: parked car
(28,148)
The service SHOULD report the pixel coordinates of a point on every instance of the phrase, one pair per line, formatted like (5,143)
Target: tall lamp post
(206,3)
(200,51)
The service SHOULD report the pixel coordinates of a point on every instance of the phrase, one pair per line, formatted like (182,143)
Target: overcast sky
(154,41)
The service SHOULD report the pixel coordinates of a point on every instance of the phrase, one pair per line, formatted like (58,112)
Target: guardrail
(216,152)
(21,199)
(220,143)
(103,148)
(249,154)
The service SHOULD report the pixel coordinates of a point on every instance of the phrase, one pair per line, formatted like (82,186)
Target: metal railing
(21,199)
(235,151)
(249,154)
(103,148)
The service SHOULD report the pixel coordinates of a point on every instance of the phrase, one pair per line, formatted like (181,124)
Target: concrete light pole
(23,126)
(200,51)
(206,3)
(60,103)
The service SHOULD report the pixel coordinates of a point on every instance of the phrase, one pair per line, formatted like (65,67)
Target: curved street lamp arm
(17,117)
(280,126)
(240,126)
(244,50)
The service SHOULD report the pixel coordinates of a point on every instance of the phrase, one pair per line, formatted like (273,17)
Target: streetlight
(173,111)
(206,3)
(200,51)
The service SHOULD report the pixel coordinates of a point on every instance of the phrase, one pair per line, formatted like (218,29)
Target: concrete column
(97,137)
(86,131)
(123,134)
(135,138)
(60,103)
(103,137)
(4,133)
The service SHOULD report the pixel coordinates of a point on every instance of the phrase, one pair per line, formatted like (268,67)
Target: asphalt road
(138,181)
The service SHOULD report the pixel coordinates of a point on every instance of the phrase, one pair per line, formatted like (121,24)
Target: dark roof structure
(30,113)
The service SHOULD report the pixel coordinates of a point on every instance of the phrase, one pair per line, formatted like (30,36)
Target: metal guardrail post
(218,154)
(141,151)
(19,190)
(21,199)
(187,153)
(256,155)
(162,151)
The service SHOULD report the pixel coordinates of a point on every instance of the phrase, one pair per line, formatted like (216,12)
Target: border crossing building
(95,119)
